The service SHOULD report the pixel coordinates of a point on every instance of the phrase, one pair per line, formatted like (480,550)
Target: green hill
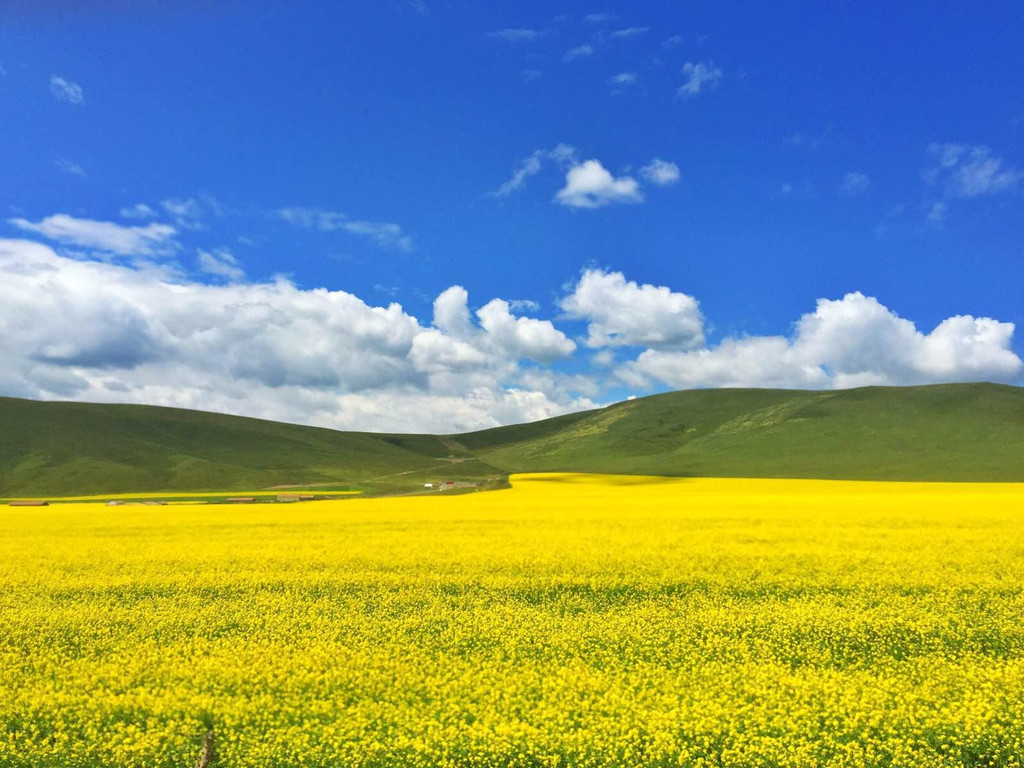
(944,432)
(82,448)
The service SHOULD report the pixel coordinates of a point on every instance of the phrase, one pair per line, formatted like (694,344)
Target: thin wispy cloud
(579,52)
(220,262)
(385,234)
(700,76)
(69,166)
(187,212)
(598,18)
(104,236)
(673,42)
(562,154)
(969,171)
(854,184)
(65,90)
(532,75)
(629,32)
(137,211)
(623,79)
(515,35)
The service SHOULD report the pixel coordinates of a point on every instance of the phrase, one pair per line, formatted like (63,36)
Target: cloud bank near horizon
(104,327)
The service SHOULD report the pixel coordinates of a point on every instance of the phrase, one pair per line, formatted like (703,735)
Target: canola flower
(570,621)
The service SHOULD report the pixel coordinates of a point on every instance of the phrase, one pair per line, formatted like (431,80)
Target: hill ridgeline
(965,432)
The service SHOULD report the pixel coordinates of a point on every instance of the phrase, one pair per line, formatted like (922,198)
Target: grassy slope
(949,432)
(74,448)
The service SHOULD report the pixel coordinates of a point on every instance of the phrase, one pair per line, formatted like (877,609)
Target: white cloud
(187,213)
(579,52)
(106,331)
(660,172)
(629,32)
(69,166)
(855,184)
(517,35)
(137,211)
(109,332)
(151,240)
(451,312)
(590,185)
(849,342)
(65,90)
(220,262)
(620,312)
(969,171)
(385,234)
(523,337)
(673,42)
(531,166)
(623,79)
(699,76)
(598,18)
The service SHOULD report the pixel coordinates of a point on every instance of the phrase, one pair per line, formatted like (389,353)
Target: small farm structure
(29,503)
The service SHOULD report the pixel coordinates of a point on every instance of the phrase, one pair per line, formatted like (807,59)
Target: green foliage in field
(947,432)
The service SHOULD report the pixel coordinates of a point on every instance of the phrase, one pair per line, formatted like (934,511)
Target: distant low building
(28,503)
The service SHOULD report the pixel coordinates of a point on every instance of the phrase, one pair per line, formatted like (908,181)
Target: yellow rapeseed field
(570,621)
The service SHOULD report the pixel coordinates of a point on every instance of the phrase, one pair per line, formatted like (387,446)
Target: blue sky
(662,196)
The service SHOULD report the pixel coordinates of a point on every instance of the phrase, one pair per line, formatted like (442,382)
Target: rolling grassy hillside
(82,448)
(946,432)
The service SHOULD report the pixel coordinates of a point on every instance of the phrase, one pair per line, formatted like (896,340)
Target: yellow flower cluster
(570,621)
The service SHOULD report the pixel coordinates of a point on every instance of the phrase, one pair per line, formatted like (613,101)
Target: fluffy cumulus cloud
(660,172)
(101,330)
(87,325)
(619,312)
(590,185)
(848,342)
(149,240)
